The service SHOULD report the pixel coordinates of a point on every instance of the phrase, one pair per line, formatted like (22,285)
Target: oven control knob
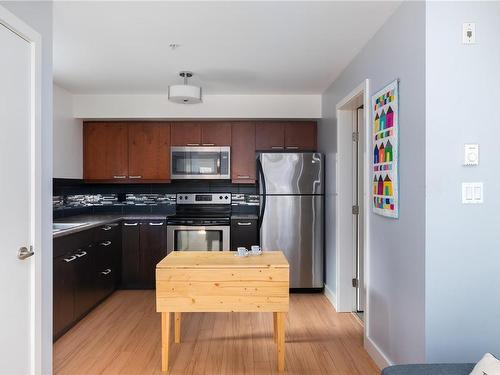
(220,197)
(226,197)
(180,197)
(185,197)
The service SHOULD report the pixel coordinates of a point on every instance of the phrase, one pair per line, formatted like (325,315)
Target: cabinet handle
(277,147)
(130,224)
(70,259)
(106,243)
(81,254)
(243,177)
(244,224)
(106,272)
(119,177)
(156,224)
(208,144)
(106,228)
(135,177)
(192,144)
(292,147)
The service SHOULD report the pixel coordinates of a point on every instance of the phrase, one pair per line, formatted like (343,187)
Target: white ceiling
(232,47)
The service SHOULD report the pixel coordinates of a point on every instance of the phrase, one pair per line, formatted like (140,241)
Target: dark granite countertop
(92,221)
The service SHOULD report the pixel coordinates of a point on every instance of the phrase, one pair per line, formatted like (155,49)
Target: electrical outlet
(469,33)
(471,154)
(472,192)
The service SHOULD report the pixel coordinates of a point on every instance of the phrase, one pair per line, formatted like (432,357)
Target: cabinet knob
(135,177)
(130,224)
(244,224)
(106,243)
(119,177)
(277,147)
(243,177)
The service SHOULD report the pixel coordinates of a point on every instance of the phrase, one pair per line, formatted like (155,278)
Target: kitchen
(142,178)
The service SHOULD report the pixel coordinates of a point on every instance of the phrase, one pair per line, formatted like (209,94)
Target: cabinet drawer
(244,232)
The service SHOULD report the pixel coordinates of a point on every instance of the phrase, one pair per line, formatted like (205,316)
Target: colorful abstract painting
(385,151)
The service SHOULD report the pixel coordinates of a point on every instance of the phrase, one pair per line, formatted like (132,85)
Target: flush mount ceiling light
(184,94)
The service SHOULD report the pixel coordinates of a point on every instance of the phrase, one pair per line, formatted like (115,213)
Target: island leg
(280,340)
(275,326)
(165,338)
(177,332)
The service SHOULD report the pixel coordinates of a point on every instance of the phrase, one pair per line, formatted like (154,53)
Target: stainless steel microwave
(200,162)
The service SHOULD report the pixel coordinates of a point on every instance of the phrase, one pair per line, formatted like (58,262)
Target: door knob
(24,252)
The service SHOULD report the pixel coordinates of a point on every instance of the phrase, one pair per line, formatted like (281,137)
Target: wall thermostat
(471,154)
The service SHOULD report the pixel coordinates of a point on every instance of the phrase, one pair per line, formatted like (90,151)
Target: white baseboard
(331,296)
(377,354)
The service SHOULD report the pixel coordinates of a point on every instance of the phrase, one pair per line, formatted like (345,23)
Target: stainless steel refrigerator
(291,219)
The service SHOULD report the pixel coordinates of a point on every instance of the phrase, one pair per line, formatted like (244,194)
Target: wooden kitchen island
(209,281)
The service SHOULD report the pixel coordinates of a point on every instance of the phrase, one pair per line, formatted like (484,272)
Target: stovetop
(202,209)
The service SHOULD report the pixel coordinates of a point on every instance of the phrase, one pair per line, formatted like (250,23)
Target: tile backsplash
(74,197)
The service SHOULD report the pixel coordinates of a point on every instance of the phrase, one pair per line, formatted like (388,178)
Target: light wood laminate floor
(122,336)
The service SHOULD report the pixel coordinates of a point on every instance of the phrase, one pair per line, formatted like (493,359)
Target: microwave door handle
(218,164)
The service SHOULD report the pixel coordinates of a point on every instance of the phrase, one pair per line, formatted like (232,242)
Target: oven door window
(198,240)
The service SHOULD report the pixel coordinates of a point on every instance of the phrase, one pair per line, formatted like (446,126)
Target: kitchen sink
(56,227)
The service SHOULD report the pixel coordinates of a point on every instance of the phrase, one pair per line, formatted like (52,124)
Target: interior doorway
(358,214)
(352,203)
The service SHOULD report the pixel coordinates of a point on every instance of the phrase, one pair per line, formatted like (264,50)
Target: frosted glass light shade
(184,94)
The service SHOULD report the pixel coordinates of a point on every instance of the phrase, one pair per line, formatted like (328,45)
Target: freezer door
(294,224)
(292,173)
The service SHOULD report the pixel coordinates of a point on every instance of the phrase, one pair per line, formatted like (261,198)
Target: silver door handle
(81,254)
(208,144)
(106,228)
(106,243)
(24,252)
(277,147)
(135,177)
(119,177)
(107,271)
(292,147)
(70,259)
(243,177)
(130,224)
(155,224)
(245,224)
(192,144)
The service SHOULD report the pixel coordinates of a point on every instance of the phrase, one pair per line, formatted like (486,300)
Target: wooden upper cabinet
(186,134)
(216,134)
(105,153)
(270,136)
(243,153)
(300,136)
(149,151)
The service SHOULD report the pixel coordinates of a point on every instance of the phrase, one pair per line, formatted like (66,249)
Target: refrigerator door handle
(262,180)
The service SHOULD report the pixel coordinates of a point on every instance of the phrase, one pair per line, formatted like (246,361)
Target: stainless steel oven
(201,223)
(200,162)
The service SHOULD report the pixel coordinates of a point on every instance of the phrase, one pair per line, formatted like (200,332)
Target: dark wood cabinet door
(269,136)
(185,134)
(63,293)
(149,151)
(153,249)
(85,287)
(131,267)
(243,153)
(244,232)
(300,136)
(105,151)
(216,134)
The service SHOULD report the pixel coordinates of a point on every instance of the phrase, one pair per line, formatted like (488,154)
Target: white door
(16,187)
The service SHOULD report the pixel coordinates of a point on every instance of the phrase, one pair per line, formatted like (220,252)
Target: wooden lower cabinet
(144,245)
(84,273)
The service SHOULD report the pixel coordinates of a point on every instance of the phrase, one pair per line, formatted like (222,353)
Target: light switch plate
(469,33)
(471,154)
(472,192)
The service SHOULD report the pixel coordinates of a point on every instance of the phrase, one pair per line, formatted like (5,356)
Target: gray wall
(462,251)
(397,246)
(38,15)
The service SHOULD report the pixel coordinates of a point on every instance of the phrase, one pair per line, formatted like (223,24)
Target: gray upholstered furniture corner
(445,369)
